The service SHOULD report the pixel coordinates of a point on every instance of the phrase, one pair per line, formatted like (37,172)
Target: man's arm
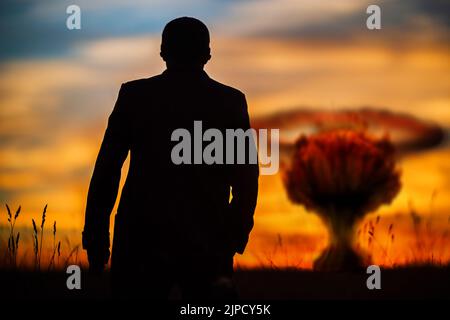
(244,188)
(105,184)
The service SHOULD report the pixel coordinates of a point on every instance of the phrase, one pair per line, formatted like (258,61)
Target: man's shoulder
(139,83)
(157,80)
(226,89)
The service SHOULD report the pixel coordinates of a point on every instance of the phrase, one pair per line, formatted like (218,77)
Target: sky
(58,86)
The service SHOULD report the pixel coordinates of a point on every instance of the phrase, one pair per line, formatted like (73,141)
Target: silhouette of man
(175,224)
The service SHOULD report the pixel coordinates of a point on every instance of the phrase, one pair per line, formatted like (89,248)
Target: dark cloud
(413,134)
(38,28)
(399,19)
(27,34)
(436,9)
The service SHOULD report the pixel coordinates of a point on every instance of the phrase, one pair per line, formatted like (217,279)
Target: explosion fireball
(342,175)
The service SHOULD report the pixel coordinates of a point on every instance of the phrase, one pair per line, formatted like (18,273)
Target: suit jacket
(165,208)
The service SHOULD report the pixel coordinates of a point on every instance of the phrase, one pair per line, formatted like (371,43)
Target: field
(39,273)
(425,282)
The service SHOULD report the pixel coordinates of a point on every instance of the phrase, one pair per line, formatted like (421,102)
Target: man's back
(175,208)
(174,217)
(186,202)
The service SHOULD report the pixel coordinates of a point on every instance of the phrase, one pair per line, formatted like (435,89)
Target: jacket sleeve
(105,180)
(244,188)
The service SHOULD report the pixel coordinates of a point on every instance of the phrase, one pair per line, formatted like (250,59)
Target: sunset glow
(54,105)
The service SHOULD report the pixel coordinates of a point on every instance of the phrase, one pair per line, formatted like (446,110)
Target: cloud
(53,113)
(343,21)
(38,29)
(53,110)
(277,17)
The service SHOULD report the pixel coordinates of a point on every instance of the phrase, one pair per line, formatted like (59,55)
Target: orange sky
(53,112)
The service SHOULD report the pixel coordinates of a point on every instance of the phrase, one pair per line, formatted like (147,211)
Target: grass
(46,278)
(390,241)
(428,245)
(13,239)
(43,260)
(377,237)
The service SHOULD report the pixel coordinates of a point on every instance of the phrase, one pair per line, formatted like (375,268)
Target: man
(175,223)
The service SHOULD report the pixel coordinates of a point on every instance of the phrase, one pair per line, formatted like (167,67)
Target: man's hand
(97,258)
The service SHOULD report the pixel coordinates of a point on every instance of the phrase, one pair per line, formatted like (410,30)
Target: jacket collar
(185,73)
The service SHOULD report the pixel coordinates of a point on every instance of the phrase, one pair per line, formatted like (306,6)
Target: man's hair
(185,40)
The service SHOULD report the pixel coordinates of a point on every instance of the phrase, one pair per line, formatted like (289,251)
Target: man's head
(185,42)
